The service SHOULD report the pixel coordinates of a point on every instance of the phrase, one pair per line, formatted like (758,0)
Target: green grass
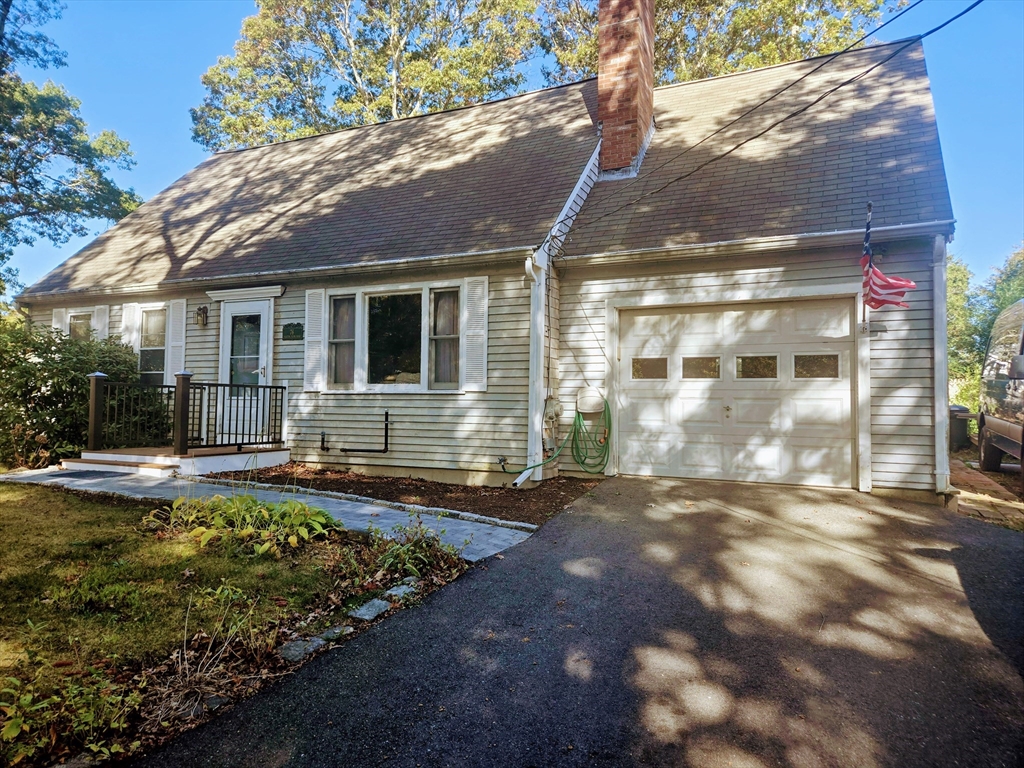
(96,584)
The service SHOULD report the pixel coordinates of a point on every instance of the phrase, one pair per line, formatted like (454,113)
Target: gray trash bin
(958,428)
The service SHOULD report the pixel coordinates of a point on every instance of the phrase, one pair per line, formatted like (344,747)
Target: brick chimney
(625,80)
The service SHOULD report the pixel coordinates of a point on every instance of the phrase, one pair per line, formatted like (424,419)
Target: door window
(650,367)
(245,349)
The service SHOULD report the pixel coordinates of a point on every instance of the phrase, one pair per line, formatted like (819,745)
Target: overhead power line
(864,73)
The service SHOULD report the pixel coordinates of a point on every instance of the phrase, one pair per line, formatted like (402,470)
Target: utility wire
(818,100)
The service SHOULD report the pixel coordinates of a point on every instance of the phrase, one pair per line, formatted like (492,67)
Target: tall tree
(704,38)
(53,174)
(307,66)
(1003,288)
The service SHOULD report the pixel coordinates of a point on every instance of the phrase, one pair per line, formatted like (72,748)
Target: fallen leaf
(499,557)
(744,563)
(689,503)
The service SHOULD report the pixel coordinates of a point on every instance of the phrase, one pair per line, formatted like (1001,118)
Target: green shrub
(44,389)
(245,519)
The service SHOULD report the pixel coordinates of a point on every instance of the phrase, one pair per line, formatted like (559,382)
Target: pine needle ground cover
(123,624)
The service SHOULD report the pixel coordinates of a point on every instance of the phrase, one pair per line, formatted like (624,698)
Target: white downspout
(941,374)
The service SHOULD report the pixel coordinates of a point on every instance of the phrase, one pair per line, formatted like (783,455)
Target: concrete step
(132,458)
(148,469)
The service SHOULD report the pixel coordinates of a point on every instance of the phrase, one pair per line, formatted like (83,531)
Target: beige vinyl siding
(902,416)
(432,430)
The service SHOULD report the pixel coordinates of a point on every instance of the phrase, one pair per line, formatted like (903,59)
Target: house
(470,272)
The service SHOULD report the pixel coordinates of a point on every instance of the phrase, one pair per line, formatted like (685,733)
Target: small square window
(757,367)
(80,326)
(702,368)
(816,366)
(650,367)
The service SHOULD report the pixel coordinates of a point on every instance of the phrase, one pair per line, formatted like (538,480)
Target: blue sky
(136,67)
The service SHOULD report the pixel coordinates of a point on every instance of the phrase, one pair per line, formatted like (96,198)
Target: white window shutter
(175,360)
(313,374)
(475,368)
(131,322)
(101,320)
(60,320)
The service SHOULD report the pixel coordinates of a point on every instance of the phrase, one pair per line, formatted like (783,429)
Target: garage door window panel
(702,368)
(649,368)
(757,367)
(825,366)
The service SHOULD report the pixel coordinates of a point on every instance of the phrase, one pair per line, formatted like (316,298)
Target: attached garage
(754,392)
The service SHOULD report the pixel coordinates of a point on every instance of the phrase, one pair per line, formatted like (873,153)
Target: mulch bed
(534,505)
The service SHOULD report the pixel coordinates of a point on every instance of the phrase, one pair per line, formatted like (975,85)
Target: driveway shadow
(675,623)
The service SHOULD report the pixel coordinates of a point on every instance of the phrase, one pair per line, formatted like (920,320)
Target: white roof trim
(245,294)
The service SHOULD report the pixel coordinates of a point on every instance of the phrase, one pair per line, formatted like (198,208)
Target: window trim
(362,296)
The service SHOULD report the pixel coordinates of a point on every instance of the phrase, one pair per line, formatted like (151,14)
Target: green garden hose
(590,445)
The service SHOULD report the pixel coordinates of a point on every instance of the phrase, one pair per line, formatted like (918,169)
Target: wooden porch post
(182,385)
(97,407)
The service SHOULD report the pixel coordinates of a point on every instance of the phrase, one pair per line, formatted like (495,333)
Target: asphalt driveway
(678,623)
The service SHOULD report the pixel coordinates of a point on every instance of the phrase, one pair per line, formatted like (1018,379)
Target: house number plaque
(292,332)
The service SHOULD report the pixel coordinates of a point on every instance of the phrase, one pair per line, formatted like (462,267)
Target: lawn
(96,598)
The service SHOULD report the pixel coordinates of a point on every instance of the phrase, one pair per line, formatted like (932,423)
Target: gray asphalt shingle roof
(496,176)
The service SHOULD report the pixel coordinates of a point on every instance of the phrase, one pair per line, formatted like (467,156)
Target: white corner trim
(245,294)
(634,167)
(941,373)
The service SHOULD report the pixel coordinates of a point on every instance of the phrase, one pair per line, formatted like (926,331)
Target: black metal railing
(185,415)
(235,414)
(137,415)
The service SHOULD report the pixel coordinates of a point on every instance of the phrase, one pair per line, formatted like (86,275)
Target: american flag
(879,290)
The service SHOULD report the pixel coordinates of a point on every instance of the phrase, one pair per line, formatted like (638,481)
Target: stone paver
(297,650)
(477,540)
(371,610)
(983,498)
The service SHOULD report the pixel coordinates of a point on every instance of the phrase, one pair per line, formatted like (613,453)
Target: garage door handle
(728,410)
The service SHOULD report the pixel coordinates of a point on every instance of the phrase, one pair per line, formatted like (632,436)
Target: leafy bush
(408,550)
(90,712)
(44,389)
(242,519)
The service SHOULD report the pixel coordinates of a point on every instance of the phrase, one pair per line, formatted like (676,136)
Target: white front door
(757,392)
(246,338)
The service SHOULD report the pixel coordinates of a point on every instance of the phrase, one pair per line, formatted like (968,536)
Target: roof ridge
(786,63)
(345,129)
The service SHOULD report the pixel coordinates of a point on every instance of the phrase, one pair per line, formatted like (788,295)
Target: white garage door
(745,392)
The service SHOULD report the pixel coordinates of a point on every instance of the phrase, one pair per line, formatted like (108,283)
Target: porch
(188,428)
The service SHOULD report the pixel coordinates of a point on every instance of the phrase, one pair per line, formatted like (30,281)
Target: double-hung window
(341,352)
(153,346)
(444,339)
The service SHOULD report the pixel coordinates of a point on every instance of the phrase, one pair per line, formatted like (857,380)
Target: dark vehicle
(1001,414)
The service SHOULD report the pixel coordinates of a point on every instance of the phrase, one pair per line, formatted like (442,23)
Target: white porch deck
(161,462)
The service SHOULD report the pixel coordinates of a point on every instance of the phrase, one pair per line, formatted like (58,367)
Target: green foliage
(241,520)
(44,390)
(90,712)
(303,67)
(704,38)
(970,313)
(53,174)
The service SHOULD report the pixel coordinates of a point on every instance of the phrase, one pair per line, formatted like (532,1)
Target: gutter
(754,245)
(466,259)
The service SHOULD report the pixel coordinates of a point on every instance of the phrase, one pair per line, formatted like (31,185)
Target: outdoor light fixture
(202,316)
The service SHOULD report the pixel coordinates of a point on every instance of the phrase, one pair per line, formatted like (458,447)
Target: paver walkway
(984,498)
(670,623)
(479,539)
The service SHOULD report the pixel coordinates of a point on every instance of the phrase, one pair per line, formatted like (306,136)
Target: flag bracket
(872,328)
